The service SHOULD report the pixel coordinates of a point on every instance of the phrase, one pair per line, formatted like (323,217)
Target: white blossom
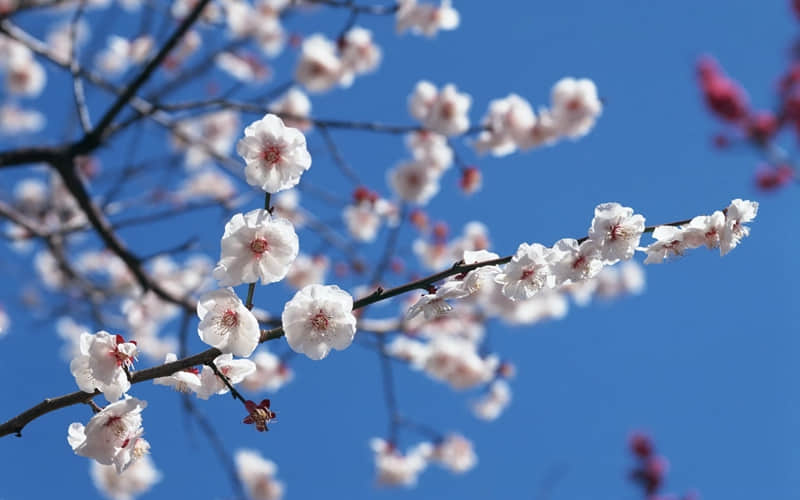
(575,106)
(15,120)
(296,105)
(529,271)
(426,19)
(408,349)
(507,120)
(493,403)
(544,131)
(616,230)
(256,245)
(319,318)
(738,213)
(414,182)
(319,67)
(455,453)
(704,230)
(276,155)
(225,323)
(358,51)
(258,475)
(455,361)
(101,364)
(448,114)
(138,478)
(112,436)
(306,270)
(669,242)
(396,469)
(573,261)
(235,370)
(431,148)
(363,220)
(185,381)
(271,373)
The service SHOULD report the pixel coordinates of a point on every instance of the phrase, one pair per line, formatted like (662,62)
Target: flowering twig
(16,424)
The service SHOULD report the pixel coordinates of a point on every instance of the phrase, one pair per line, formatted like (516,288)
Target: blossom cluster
(324,64)
(511,123)
(394,468)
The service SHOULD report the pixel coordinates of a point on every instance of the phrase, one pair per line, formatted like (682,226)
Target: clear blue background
(705,360)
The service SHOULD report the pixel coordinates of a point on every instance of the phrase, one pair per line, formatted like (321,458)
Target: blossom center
(320,321)
(271,155)
(259,246)
(230,318)
(619,232)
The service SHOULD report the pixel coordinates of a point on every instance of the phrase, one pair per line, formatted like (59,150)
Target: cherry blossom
(616,230)
(426,19)
(738,213)
(256,245)
(574,262)
(271,373)
(294,107)
(184,381)
(136,479)
(408,349)
(448,114)
(430,148)
(414,182)
(206,136)
(235,370)
(705,230)
(307,270)
(112,436)
(455,453)
(670,243)
(24,75)
(575,106)
(396,469)
(225,323)
(544,131)
(15,120)
(258,475)
(507,120)
(529,271)
(362,220)
(456,362)
(494,402)
(102,363)
(431,306)
(276,155)
(319,318)
(319,67)
(358,51)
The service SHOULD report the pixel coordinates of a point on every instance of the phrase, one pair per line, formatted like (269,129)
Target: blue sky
(703,360)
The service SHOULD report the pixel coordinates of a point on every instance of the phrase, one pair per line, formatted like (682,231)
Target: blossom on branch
(102,362)
(225,323)
(256,245)
(616,230)
(319,318)
(235,370)
(395,469)
(184,381)
(112,436)
(276,155)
